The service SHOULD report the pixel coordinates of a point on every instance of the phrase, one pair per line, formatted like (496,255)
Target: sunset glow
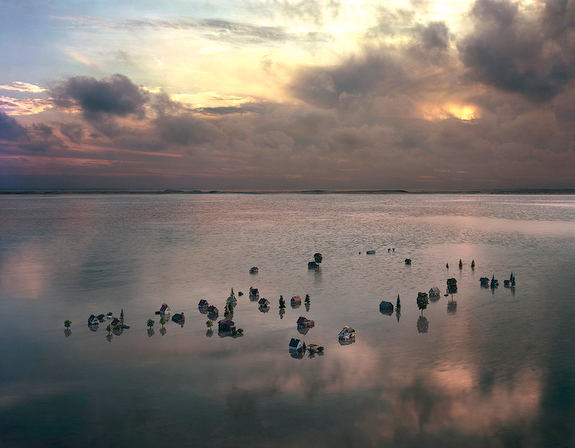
(287,88)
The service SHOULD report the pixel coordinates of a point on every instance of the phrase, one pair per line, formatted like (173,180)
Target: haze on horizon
(287,94)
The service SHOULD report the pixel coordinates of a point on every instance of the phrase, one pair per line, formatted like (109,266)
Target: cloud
(217,29)
(24,106)
(186,130)
(23,87)
(11,130)
(376,71)
(116,96)
(518,51)
(39,137)
(74,131)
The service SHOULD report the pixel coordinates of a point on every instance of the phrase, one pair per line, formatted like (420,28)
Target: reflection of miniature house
(93,327)
(179,318)
(93,320)
(386,308)
(484,282)
(295,354)
(295,345)
(254,294)
(254,270)
(303,330)
(434,293)
(295,301)
(346,341)
(232,297)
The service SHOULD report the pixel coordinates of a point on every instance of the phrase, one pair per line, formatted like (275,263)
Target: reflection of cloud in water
(25,272)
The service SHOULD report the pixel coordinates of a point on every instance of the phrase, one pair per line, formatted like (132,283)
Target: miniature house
(295,345)
(212,309)
(304,322)
(434,293)
(226,325)
(386,307)
(165,309)
(179,318)
(254,293)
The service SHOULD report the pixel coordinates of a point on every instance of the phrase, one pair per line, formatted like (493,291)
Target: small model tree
(150,323)
(282,302)
(318,258)
(422,301)
(460,264)
(163,321)
(210,323)
(451,289)
(472,264)
(67,331)
(451,285)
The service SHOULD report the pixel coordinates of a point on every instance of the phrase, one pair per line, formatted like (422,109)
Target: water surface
(496,369)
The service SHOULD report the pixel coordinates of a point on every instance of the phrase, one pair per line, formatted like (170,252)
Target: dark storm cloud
(517,52)
(434,35)
(162,104)
(431,42)
(186,130)
(115,96)
(11,130)
(37,138)
(73,131)
(374,72)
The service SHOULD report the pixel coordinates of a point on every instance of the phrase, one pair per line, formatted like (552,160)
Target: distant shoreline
(311,192)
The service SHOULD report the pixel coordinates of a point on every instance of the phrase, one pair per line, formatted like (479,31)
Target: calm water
(499,371)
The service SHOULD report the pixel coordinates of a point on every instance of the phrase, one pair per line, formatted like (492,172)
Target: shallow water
(499,371)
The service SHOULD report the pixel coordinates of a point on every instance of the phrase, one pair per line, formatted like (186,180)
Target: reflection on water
(495,370)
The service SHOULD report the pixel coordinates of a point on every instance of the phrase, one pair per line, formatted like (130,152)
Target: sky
(287,94)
